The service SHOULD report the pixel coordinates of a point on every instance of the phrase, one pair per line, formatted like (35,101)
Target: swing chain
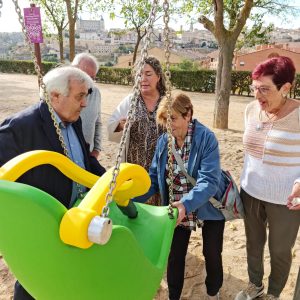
(167,44)
(133,102)
(43,86)
(1,5)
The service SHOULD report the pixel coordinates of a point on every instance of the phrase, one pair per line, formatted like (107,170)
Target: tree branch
(220,30)
(208,24)
(219,13)
(75,10)
(242,18)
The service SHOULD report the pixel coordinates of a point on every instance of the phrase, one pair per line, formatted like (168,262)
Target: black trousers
(212,234)
(20,293)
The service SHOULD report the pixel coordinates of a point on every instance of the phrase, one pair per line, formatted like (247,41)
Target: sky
(9,19)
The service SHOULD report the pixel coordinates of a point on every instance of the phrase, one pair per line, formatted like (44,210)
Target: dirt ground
(19,91)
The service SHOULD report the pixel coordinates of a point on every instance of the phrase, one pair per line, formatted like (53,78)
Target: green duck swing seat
(129,266)
(55,252)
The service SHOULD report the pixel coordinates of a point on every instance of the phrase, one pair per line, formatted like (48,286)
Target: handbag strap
(192,180)
(181,166)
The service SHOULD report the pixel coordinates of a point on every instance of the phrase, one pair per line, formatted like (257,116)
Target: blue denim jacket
(203,165)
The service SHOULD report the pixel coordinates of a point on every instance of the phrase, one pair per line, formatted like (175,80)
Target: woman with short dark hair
(271,176)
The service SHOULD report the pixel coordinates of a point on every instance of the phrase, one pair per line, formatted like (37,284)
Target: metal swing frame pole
(37,52)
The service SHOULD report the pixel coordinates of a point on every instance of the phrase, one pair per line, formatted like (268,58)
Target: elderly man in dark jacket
(33,129)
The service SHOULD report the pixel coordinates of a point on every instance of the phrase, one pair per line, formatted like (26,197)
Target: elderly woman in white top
(271,176)
(144,130)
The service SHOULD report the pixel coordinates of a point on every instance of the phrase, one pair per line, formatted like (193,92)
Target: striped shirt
(272,155)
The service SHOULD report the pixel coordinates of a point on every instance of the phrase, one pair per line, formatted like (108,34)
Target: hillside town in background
(115,47)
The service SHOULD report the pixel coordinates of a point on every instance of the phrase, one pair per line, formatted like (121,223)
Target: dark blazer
(33,129)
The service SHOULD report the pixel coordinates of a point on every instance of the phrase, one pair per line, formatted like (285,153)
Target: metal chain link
(43,87)
(1,5)
(167,44)
(133,102)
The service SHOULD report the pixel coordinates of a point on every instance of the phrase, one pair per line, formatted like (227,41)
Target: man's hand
(295,194)
(181,211)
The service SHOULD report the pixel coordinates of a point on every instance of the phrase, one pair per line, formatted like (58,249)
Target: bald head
(87,63)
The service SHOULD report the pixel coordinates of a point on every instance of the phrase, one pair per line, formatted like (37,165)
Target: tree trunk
(136,47)
(72,39)
(72,20)
(223,85)
(61,45)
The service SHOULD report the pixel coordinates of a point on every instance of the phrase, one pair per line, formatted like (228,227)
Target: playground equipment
(93,250)
(129,266)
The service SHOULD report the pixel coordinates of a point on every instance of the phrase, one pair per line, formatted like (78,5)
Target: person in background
(271,176)
(144,131)
(91,114)
(198,149)
(33,129)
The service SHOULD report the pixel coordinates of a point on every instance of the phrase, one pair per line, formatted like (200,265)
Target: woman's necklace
(260,125)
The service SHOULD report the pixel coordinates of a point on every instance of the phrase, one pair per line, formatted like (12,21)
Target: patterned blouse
(144,133)
(181,185)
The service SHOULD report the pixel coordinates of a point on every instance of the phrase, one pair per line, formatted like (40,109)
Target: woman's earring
(284,95)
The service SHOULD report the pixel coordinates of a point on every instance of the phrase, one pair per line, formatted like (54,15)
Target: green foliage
(187,65)
(200,80)
(125,49)
(55,17)
(257,34)
(50,58)
(256,31)
(187,80)
(109,64)
(115,75)
(226,19)
(23,66)
(240,81)
(295,93)
(135,14)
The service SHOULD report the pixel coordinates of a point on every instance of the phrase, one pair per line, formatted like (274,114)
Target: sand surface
(19,91)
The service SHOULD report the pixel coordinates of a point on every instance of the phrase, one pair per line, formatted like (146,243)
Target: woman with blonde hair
(196,149)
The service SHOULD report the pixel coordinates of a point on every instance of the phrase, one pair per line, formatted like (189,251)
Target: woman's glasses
(264,90)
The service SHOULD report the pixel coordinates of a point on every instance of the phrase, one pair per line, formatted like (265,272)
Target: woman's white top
(272,155)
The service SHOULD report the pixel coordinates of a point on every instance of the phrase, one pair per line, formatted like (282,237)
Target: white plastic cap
(100,230)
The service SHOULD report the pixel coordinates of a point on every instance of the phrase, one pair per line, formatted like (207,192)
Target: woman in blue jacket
(198,148)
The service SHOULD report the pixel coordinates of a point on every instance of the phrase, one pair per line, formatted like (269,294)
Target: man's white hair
(85,57)
(58,79)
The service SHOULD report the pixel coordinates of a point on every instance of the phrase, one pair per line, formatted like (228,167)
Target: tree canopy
(135,14)
(226,19)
